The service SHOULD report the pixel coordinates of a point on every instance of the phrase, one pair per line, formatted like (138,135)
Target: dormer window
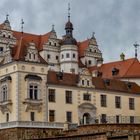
(59,75)
(99,74)
(107,82)
(129,85)
(115,71)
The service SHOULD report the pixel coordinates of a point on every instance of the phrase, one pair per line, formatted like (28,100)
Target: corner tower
(69,49)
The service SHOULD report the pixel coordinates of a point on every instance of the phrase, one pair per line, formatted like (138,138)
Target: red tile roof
(127,68)
(82,47)
(20,49)
(99,83)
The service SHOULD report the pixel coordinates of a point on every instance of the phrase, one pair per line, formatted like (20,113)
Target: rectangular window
(51,115)
(51,95)
(131,119)
(56,57)
(103,118)
(33,92)
(89,62)
(7,117)
(117,101)
(48,56)
(103,101)
(74,55)
(1,49)
(67,55)
(83,82)
(87,97)
(87,83)
(69,116)
(131,104)
(32,116)
(117,118)
(68,95)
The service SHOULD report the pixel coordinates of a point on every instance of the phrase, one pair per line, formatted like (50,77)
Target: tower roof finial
(7,16)
(68,11)
(136,47)
(93,35)
(53,28)
(22,23)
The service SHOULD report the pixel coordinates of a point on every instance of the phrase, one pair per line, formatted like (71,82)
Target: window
(48,56)
(89,62)
(56,57)
(103,118)
(131,119)
(117,119)
(4,93)
(68,96)
(49,43)
(51,95)
(83,82)
(34,56)
(74,55)
(67,55)
(1,49)
(87,97)
(103,101)
(33,92)
(30,56)
(51,115)
(32,116)
(54,44)
(7,117)
(87,83)
(4,35)
(69,116)
(131,104)
(9,36)
(117,102)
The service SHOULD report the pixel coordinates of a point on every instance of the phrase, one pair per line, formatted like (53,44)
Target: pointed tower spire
(93,35)
(7,23)
(68,11)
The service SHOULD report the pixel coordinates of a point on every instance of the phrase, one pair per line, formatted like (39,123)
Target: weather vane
(136,47)
(68,11)
(22,23)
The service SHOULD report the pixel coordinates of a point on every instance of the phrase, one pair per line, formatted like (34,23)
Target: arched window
(33,92)
(4,92)
(4,35)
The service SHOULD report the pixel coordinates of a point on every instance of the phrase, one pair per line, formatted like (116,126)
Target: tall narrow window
(117,101)
(68,96)
(73,55)
(103,118)
(132,119)
(67,55)
(33,92)
(48,56)
(51,115)
(7,117)
(4,93)
(51,95)
(117,119)
(32,116)
(89,62)
(131,104)
(103,101)
(69,116)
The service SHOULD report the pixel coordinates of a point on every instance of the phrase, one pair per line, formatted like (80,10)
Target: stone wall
(27,133)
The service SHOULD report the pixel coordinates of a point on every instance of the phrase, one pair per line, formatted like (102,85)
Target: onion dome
(69,25)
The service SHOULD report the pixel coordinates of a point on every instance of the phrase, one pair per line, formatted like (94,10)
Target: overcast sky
(116,23)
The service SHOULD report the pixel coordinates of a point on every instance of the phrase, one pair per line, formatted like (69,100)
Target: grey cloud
(116,22)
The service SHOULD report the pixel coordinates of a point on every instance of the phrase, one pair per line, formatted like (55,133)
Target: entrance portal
(86,118)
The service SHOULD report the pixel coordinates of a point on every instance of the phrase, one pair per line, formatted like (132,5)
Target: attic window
(129,85)
(107,82)
(99,74)
(115,71)
(59,75)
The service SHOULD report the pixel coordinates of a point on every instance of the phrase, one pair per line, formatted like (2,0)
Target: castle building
(46,81)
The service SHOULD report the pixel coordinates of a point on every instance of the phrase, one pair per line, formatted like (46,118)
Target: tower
(69,49)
